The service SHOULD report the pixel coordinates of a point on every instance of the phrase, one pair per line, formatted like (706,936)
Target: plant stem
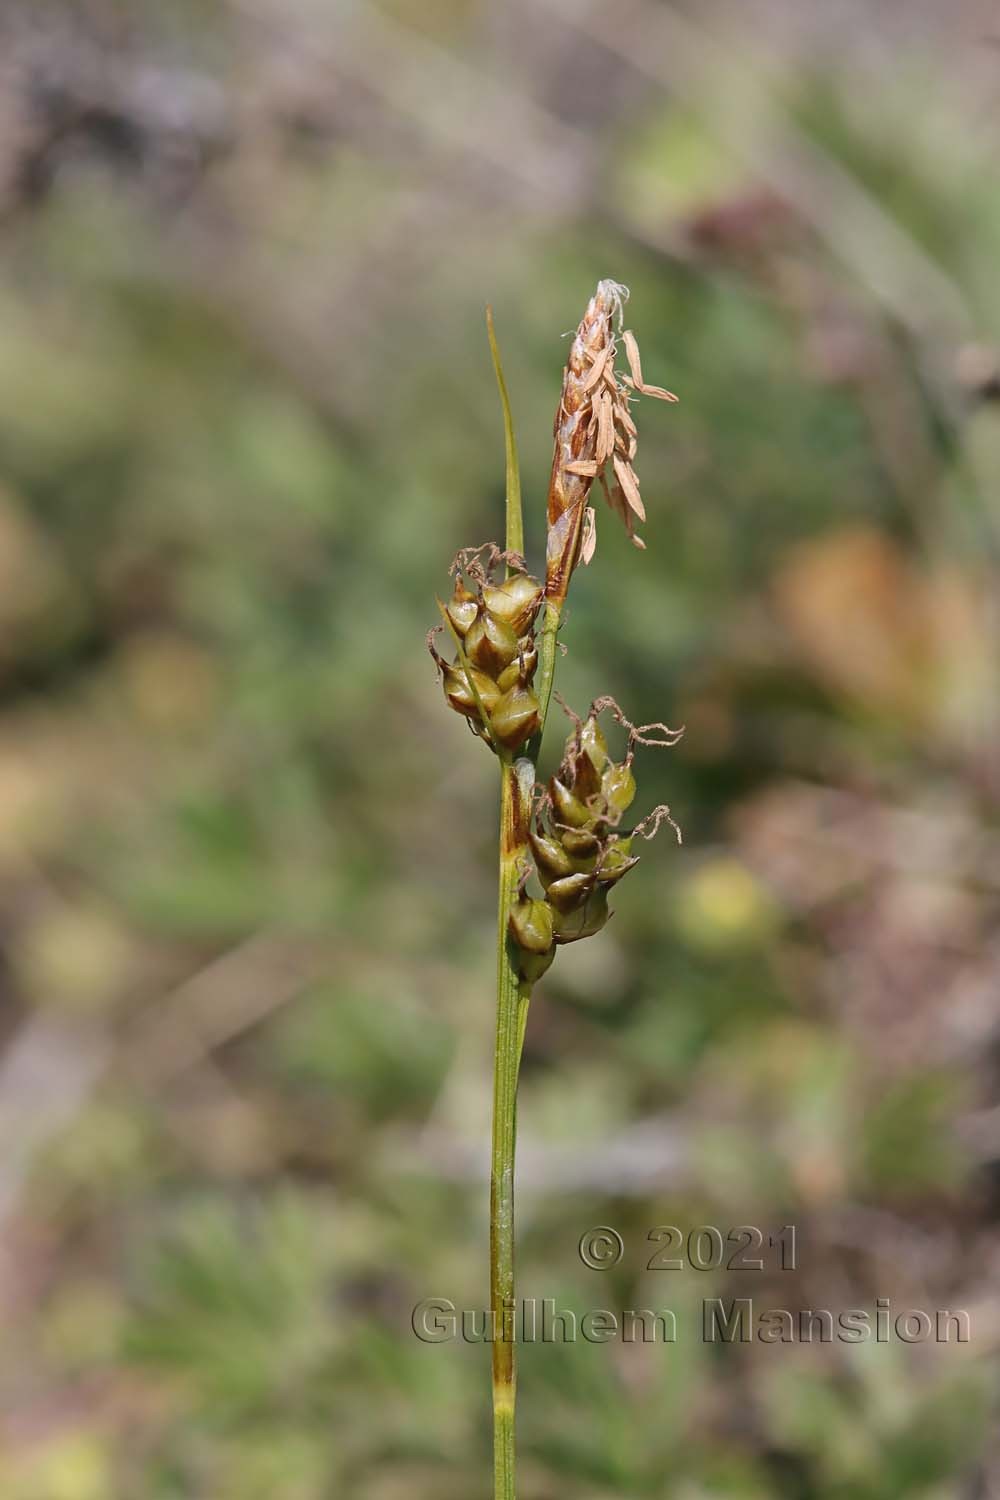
(516,784)
(546,669)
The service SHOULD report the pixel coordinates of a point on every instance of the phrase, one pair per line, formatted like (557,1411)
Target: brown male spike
(578,443)
(594,428)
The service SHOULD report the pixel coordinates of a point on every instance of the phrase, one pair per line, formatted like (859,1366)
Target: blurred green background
(247,856)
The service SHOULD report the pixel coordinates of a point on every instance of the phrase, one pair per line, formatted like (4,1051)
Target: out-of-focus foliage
(247,416)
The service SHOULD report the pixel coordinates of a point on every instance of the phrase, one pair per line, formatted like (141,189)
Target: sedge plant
(562,844)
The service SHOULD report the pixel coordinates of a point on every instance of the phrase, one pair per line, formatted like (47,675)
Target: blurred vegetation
(247,416)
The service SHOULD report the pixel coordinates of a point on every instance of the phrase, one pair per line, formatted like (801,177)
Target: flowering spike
(562,836)
(594,428)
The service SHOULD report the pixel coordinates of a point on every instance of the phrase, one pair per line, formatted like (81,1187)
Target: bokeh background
(247,416)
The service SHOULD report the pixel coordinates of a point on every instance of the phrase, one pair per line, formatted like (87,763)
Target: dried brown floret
(598,368)
(588,542)
(630,486)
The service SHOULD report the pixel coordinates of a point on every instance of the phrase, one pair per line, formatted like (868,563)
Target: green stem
(516,785)
(517,782)
(546,670)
